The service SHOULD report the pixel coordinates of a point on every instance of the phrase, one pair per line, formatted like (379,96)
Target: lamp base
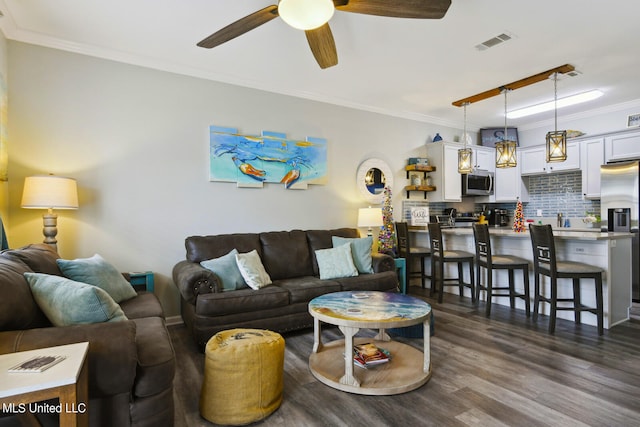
(50,229)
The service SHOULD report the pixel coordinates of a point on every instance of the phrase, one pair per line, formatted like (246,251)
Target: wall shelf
(419,168)
(425,188)
(425,169)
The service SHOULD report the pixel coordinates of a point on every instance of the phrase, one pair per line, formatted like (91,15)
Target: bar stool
(409,252)
(545,263)
(439,257)
(485,258)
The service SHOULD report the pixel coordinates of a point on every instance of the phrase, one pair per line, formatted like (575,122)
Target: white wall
(137,142)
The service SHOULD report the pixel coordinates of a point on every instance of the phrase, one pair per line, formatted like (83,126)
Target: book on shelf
(37,364)
(368,354)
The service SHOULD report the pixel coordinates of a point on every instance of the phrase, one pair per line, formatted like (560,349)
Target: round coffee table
(332,363)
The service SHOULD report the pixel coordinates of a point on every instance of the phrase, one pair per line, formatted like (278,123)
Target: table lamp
(369,217)
(50,192)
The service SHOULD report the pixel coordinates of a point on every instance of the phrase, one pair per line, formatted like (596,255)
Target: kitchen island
(609,251)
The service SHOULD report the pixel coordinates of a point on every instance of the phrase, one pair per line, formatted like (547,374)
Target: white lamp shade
(49,192)
(306,14)
(370,217)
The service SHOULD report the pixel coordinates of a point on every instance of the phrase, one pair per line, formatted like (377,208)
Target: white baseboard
(174,320)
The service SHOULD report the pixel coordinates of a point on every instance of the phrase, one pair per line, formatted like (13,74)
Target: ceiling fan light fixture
(306,14)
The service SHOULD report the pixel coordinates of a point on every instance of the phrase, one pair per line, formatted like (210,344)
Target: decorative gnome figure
(387,236)
(518,218)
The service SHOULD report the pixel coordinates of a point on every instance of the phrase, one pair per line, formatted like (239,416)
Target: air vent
(500,38)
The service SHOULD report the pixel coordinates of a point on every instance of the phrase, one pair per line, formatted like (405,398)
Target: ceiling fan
(312,16)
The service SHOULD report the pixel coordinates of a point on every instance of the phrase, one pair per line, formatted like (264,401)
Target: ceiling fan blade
(240,27)
(421,9)
(323,46)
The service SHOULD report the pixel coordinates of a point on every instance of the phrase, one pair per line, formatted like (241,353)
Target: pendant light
(506,149)
(465,154)
(556,140)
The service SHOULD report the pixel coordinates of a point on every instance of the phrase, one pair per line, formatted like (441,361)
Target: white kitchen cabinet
(484,158)
(446,179)
(508,184)
(592,152)
(622,146)
(534,160)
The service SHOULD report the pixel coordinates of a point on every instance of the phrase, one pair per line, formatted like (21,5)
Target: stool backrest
(435,238)
(482,243)
(544,249)
(404,243)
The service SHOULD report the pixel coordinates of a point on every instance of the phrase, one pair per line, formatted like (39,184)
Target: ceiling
(401,67)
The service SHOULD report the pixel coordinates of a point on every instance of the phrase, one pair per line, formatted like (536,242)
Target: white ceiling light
(306,14)
(548,106)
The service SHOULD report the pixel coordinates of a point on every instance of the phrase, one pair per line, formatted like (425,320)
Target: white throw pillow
(252,270)
(336,262)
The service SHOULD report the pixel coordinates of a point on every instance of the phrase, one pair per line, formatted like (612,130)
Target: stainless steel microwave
(477,183)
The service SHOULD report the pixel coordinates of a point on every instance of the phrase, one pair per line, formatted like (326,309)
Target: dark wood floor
(498,371)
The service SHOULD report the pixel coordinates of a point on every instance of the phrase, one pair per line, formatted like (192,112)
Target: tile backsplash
(552,193)
(559,192)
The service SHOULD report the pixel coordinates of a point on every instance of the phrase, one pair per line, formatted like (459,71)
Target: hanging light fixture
(306,14)
(556,140)
(465,154)
(506,149)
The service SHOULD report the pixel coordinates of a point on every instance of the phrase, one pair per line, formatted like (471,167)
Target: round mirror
(373,175)
(374,180)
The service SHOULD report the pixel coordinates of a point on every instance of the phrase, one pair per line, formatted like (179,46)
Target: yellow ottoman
(242,376)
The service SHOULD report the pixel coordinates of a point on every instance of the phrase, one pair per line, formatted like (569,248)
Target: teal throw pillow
(336,262)
(252,270)
(66,302)
(98,272)
(361,251)
(227,271)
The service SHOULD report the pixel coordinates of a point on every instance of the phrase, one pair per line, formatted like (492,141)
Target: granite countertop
(575,234)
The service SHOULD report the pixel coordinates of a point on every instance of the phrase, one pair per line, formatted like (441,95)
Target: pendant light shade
(557,146)
(506,156)
(556,140)
(465,155)
(506,150)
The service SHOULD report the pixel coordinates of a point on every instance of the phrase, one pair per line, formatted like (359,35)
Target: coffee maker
(498,217)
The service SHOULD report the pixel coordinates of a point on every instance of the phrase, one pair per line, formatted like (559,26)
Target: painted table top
(369,309)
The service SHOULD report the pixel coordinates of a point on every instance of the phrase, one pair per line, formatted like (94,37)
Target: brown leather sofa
(289,259)
(131,363)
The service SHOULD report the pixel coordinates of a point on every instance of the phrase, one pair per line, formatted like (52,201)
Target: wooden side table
(67,381)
